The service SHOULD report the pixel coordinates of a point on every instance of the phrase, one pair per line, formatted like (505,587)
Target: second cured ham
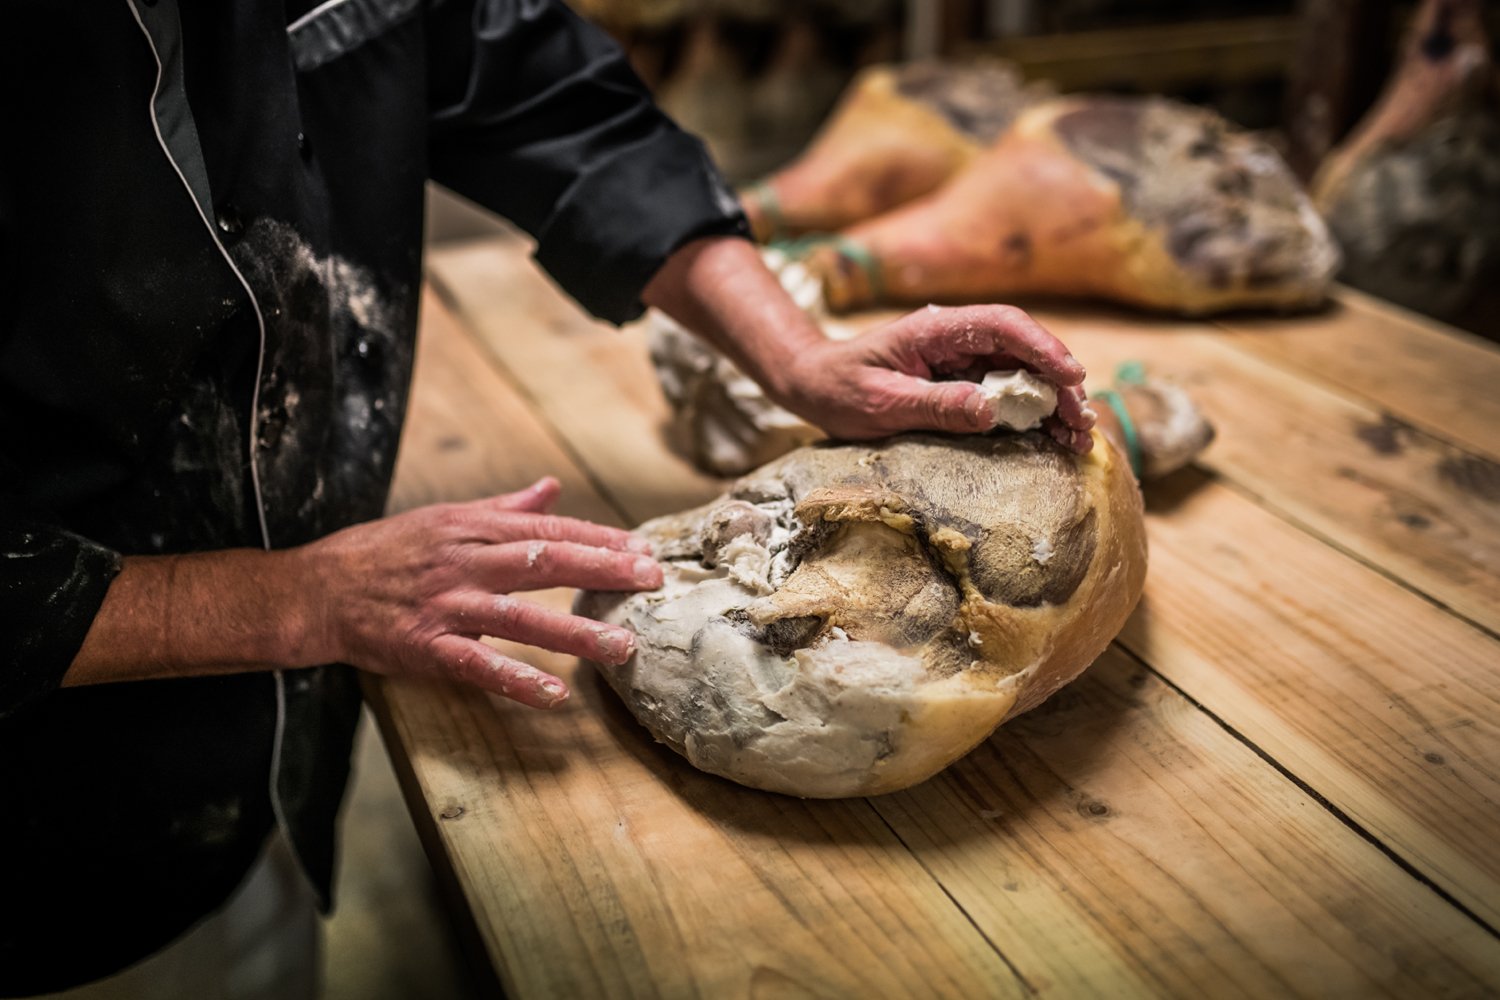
(1139,200)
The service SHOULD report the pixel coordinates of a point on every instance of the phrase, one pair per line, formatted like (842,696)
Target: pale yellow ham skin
(877,150)
(1023,653)
(1027,217)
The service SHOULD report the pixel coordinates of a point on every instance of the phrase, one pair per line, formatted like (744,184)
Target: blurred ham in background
(1387,110)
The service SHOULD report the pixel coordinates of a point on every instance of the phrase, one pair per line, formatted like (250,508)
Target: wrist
(205,613)
(302,633)
(789,364)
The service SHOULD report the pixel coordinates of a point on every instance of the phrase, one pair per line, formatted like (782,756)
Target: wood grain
(1417,369)
(469,435)
(1412,504)
(1379,701)
(594,384)
(1116,843)
(1155,58)
(597,867)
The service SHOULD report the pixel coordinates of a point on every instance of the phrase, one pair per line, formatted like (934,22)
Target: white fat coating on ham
(819,719)
(1182,429)
(748,563)
(804,287)
(813,634)
(1019,400)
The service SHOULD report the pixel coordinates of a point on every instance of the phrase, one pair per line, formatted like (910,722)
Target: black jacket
(210,225)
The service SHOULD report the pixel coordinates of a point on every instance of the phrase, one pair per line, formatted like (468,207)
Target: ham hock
(852,618)
(1139,200)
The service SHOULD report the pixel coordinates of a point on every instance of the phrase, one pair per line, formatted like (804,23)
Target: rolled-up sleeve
(538,116)
(52,584)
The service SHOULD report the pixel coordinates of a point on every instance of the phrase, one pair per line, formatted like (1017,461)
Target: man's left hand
(916,373)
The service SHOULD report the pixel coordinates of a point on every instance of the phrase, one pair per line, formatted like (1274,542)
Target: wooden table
(1282,780)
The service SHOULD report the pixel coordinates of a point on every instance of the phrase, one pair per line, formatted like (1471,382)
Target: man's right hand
(412,594)
(406,595)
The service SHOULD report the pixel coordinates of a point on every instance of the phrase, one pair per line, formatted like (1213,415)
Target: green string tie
(770,206)
(1131,373)
(850,249)
(1127,426)
(865,261)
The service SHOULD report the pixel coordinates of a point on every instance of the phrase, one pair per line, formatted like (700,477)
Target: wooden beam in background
(1342,55)
(1153,59)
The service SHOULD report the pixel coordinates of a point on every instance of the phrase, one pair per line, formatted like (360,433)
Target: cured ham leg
(1413,194)
(851,619)
(897,134)
(1140,200)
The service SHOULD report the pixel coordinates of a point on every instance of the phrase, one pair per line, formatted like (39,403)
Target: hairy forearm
(201,613)
(411,595)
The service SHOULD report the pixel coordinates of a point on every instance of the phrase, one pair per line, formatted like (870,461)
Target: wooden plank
(468,435)
(1154,58)
(1421,371)
(1190,868)
(601,864)
(594,384)
(1379,701)
(1317,699)
(1419,508)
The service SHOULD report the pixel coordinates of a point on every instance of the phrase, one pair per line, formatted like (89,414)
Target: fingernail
(638,544)
(553,691)
(647,573)
(981,413)
(1070,360)
(616,645)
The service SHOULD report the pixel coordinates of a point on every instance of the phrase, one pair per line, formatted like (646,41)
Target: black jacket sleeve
(52,581)
(538,116)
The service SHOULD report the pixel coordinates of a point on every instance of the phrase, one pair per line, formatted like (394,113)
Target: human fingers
(948,340)
(530,623)
(537,498)
(1080,441)
(538,563)
(472,661)
(897,402)
(513,526)
(1073,409)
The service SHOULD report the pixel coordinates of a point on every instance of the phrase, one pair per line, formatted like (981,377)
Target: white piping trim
(281,823)
(260,508)
(260,320)
(326,5)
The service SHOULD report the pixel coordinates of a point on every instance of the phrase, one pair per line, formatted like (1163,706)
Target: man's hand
(412,594)
(407,595)
(907,375)
(882,382)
